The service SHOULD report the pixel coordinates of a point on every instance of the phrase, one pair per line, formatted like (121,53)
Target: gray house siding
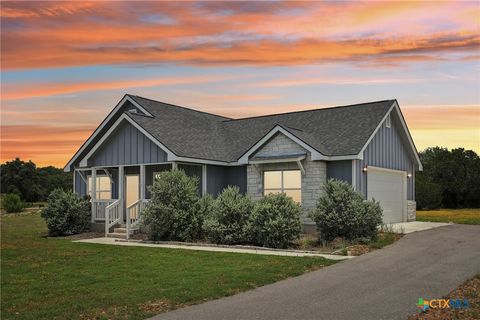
(387,149)
(127,145)
(237,176)
(219,177)
(80,185)
(340,170)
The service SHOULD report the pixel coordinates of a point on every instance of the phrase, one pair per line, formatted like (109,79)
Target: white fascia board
(407,133)
(84,161)
(360,154)
(200,161)
(280,160)
(314,153)
(102,125)
(409,137)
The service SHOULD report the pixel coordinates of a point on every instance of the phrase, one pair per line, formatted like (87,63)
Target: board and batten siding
(388,149)
(80,185)
(127,146)
(219,177)
(340,170)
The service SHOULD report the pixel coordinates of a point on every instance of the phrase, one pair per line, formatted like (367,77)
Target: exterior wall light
(409,175)
(364,169)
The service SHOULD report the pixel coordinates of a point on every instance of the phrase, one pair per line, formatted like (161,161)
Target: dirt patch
(85,235)
(358,249)
(470,290)
(156,306)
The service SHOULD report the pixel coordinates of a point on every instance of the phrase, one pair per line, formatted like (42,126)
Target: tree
(51,178)
(21,178)
(456,174)
(32,183)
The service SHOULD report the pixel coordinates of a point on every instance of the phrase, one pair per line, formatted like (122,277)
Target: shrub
(275,221)
(172,213)
(12,203)
(342,212)
(227,222)
(66,213)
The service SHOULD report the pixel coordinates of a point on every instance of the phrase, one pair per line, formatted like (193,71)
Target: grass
(463,216)
(46,278)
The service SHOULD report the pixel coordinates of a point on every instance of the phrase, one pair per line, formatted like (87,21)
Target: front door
(132,189)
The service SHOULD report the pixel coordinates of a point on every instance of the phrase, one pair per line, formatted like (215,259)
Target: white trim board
(102,125)
(404,125)
(84,161)
(315,155)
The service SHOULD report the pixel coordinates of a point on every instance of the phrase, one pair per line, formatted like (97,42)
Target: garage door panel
(387,188)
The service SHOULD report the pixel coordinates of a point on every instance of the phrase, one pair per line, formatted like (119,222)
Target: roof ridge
(317,109)
(181,107)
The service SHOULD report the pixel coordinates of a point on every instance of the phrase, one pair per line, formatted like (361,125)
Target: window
(387,122)
(103,187)
(285,181)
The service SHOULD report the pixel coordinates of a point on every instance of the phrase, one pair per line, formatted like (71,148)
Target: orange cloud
(22,90)
(44,145)
(66,34)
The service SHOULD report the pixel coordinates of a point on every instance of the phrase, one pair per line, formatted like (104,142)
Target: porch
(120,193)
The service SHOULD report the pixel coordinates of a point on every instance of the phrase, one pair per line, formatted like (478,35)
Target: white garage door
(388,188)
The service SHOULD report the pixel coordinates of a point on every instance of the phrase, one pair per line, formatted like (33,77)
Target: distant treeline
(450,179)
(30,182)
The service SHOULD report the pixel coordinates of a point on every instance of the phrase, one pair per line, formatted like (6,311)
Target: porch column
(142,182)
(94,193)
(121,189)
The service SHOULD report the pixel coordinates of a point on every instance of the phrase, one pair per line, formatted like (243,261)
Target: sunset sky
(64,65)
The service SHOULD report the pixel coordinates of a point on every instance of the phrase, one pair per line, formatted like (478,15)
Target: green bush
(227,222)
(13,203)
(275,221)
(342,212)
(66,213)
(173,213)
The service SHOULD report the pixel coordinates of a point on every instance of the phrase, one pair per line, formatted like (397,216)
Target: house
(367,145)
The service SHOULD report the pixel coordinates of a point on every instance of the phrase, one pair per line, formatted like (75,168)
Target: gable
(127,145)
(123,105)
(279,144)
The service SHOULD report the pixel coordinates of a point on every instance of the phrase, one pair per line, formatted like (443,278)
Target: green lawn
(464,216)
(45,278)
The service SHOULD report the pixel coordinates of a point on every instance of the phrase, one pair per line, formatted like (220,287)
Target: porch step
(117,235)
(124,230)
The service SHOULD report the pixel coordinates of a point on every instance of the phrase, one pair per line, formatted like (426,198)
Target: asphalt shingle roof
(189,133)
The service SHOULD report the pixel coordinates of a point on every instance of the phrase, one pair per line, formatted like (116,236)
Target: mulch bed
(469,290)
(85,235)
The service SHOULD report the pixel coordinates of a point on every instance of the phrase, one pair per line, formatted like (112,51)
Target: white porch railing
(134,214)
(112,215)
(99,207)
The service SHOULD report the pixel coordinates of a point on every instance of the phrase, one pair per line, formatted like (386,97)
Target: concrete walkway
(290,253)
(383,284)
(414,226)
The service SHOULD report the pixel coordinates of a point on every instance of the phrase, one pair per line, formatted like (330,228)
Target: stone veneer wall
(312,181)
(411,210)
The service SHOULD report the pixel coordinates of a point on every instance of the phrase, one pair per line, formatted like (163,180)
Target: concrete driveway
(384,284)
